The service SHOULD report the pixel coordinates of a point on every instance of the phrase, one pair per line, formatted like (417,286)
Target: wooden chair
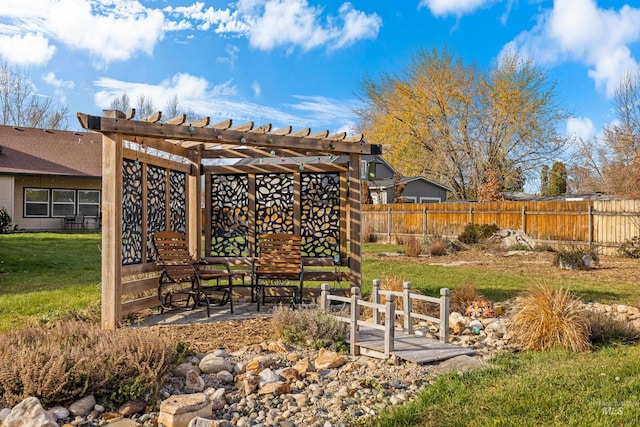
(279,259)
(180,269)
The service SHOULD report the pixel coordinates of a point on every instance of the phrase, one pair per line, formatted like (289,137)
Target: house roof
(31,151)
(383,184)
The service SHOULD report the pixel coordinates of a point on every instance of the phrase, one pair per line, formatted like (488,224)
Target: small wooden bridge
(383,340)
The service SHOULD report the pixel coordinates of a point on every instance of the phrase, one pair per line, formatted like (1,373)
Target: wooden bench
(279,259)
(179,268)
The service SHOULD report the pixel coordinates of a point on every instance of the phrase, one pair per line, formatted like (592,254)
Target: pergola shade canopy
(255,179)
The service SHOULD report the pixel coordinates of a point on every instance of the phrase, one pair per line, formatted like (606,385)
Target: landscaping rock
(211,364)
(179,410)
(29,413)
(132,407)
(461,364)
(83,406)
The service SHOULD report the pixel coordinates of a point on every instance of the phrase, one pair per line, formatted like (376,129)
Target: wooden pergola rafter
(193,142)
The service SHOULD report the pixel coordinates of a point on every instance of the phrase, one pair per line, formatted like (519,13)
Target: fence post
(355,317)
(389,324)
(389,224)
(406,307)
(444,315)
(590,231)
(424,222)
(324,295)
(524,220)
(375,298)
(470,214)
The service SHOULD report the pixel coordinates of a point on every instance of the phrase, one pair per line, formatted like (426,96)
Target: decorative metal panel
(131,212)
(229,215)
(156,205)
(320,214)
(178,201)
(274,203)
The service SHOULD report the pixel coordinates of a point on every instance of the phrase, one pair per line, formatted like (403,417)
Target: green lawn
(43,275)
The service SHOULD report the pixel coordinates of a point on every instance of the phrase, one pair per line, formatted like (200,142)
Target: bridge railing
(388,309)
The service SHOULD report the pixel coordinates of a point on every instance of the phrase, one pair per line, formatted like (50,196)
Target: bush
(313,328)
(437,249)
(630,248)
(545,319)
(74,359)
(475,233)
(604,329)
(462,297)
(576,259)
(412,247)
(5,220)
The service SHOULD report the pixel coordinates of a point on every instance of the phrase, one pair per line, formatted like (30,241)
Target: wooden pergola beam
(141,129)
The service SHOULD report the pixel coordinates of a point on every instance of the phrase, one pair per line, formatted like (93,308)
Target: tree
(557,180)
(622,171)
(544,180)
(21,105)
(454,123)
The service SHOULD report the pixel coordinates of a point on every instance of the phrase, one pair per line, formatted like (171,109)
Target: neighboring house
(47,175)
(418,189)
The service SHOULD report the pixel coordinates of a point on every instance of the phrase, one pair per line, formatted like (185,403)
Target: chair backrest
(173,255)
(279,255)
(172,248)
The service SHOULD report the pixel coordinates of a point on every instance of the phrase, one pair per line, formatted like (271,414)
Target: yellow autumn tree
(454,123)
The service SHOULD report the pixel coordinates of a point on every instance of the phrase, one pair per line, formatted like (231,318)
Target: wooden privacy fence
(388,309)
(601,223)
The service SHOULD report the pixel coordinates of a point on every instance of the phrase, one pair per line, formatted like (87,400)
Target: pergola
(157,175)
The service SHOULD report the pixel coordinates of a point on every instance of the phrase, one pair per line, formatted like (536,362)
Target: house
(380,180)
(49,175)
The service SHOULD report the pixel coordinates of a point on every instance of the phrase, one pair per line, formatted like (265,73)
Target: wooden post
(444,315)
(406,301)
(470,214)
(524,219)
(389,324)
(388,224)
(324,295)
(355,316)
(590,225)
(424,222)
(375,298)
(111,230)
(194,208)
(355,219)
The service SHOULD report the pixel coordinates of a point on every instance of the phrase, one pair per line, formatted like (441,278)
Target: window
(63,203)
(36,202)
(430,200)
(409,199)
(89,203)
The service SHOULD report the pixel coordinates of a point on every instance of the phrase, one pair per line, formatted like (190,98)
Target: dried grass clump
(73,359)
(412,248)
(437,249)
(545,319)
(312,328)
(604,329)
(463,296)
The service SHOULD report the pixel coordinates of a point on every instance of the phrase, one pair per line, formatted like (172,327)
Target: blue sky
(300,62)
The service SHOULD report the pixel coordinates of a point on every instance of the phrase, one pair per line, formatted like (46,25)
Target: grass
(43,275)
(556,388)
(46,274)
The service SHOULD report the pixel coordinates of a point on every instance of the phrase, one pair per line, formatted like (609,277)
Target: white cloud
(221,102)
(255,86)
(578,30)
(231,55)
(51,79)
(454,7)
(357,26)
(580,128)
(26,49)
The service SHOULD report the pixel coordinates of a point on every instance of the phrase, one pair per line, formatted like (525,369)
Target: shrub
(437,249)
(313,328)
(630,248)
(412,247)
(474,233)
(604,329)
(545,319)
(73,359)
(462,296)
(576,259)
(5,220)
